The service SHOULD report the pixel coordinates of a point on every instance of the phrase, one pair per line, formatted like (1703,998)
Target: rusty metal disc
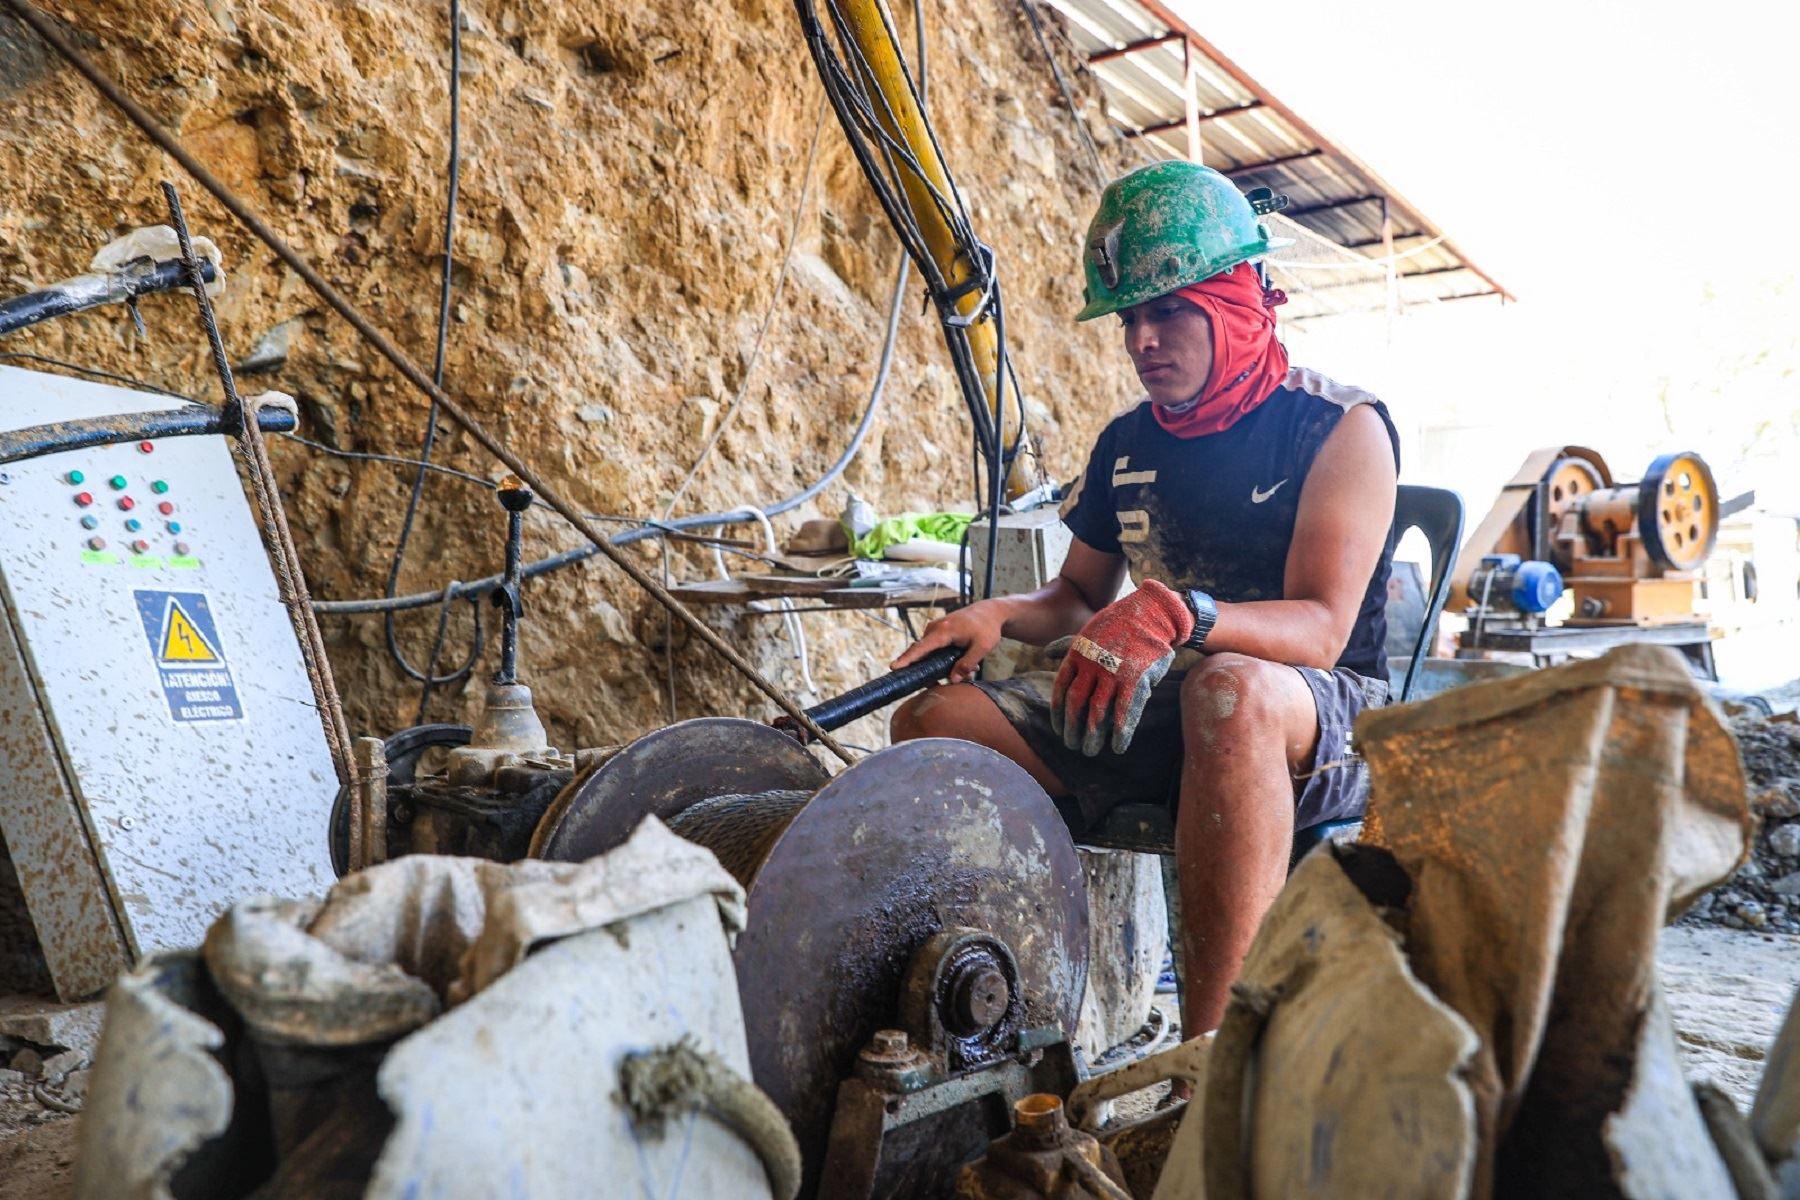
(662,773)
(921,837)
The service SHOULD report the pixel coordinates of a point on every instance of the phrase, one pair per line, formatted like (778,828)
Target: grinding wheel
(662,773)
(846,886)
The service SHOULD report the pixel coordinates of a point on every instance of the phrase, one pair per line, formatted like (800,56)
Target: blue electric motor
(1507,581)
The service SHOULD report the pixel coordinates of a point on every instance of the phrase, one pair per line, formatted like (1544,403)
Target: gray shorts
(1335,789)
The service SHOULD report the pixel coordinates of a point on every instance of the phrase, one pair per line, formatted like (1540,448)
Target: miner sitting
(1252,502)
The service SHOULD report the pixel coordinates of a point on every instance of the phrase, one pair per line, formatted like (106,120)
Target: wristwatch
(1205,613)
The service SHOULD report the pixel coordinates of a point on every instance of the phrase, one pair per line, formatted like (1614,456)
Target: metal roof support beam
(1363,283)
(1504,297)
(1371,243)
(1284,160)
(1190,102)
(1162,12)
(1149,43)
(1180,122)
(1331,204)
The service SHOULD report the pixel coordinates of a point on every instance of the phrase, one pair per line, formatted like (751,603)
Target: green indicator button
(76,477)
(159,487)
(118,483)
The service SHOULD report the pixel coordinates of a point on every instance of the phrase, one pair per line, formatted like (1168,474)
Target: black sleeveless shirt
(1217,512)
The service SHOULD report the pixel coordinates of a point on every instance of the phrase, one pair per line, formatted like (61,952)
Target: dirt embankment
(629,173)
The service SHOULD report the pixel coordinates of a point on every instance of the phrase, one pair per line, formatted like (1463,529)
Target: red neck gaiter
(1249,363)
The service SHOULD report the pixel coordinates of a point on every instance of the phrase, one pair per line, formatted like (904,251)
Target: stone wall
(629,173)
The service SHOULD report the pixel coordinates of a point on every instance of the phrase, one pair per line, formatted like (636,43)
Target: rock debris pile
(1764,894)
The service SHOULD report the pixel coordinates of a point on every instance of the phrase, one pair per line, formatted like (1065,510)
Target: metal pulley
(1678,511)
(917,940)
(931,889)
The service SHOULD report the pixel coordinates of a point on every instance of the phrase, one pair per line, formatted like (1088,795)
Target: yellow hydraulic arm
(927,191)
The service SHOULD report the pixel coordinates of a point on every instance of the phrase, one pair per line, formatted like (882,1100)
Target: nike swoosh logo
(1257,495)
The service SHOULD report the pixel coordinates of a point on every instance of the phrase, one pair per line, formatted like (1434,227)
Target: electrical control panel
(164,750)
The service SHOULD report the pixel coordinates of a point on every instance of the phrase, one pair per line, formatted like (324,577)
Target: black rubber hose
(58,436)
(91,291)
(453,182)
(876,694)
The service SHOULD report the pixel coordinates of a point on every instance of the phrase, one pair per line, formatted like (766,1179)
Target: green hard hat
(1163,227)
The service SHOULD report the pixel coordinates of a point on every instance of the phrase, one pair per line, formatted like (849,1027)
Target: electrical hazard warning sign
(190,659)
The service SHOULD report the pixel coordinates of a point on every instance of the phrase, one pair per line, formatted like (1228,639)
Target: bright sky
(1627,169)
(1658,132)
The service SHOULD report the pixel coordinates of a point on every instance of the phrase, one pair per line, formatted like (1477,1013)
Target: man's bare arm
(1346,509)
(1088,582)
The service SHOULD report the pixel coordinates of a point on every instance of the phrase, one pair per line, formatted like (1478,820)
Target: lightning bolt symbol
(186,640)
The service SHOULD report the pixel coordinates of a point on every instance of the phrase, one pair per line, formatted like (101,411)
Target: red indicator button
(140,545)
(166,507)
(146,447)
(84,498)
(96,543)
(181,548)
(127,503)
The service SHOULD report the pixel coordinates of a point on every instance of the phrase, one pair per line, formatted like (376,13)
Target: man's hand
(977,627)
(1119,655)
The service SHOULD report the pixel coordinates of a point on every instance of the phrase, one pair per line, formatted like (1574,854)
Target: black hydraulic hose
(197,420)
(452,184)
(91,291)
(997,458)
(876,694)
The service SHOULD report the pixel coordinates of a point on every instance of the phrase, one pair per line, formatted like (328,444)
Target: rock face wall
(629,172)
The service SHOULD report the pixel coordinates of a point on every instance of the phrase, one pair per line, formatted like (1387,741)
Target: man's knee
(932,713)
(1233,697)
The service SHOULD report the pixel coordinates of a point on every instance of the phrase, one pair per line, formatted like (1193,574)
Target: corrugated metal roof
(1142,53)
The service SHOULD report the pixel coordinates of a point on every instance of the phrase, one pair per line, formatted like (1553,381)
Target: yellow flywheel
(1678,511)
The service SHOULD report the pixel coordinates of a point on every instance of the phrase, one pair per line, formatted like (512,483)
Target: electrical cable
(153,129)
(854,93)
(999,463)
(140,277)
(95,373)
(644,530)
(641,529)
(453,180)
(1087,136)
(850,100)
(398,460)
(787,257)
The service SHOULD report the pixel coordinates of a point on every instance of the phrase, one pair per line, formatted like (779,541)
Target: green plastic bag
(909,527)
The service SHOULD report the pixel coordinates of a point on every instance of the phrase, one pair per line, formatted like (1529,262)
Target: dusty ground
(41,1092)
(1728,992)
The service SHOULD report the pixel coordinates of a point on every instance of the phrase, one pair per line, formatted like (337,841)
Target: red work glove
(1120,654)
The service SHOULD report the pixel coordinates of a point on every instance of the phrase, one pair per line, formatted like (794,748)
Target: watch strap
(1205,613)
